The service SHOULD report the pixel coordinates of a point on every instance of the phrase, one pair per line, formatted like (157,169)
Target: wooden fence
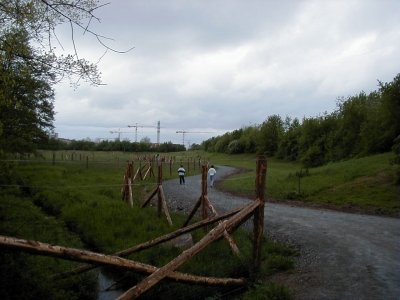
(226,224)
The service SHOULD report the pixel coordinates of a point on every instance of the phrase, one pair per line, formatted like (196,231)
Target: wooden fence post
(258,225)
(159,198)
(204,193)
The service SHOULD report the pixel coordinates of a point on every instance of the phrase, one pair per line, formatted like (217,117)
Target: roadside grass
(364,185)
(25,276)
(87,202)
(268,291)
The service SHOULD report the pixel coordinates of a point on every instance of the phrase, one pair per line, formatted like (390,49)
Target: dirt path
(342,255)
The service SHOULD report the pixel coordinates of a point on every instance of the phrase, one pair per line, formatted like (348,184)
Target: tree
(383,122)
(271,132)
(26,96)
(40,18)
(30,67)
(289,144)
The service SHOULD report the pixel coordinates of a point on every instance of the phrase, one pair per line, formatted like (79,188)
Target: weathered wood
(123,187)
(153,242)
(164,204)
(126,190)
(258,221)
(196,206)
(161,202)
(147,172)
(137,172)
(150,197)
(130,192)
(74,254)
(230,240)
(210,237)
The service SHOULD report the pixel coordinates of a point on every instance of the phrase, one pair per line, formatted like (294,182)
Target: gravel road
(342,255)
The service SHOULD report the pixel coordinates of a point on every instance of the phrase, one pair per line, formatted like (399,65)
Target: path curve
(342,255)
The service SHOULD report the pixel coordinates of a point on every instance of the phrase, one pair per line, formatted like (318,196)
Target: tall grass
(87,201)
(25,276)
(362,184)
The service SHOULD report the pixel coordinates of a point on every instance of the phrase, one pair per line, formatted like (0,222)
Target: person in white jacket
(181,173)
(211,174)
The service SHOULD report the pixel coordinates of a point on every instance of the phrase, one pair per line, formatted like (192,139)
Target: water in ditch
(108,287)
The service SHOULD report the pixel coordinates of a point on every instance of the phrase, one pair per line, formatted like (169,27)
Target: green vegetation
(269,291)
(24,276)
(365,184)
(362,125)
(117,145)
(73,205)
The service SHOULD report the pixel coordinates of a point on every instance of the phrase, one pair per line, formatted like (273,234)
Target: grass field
(364,185)
(75,200)
(360,185)
(82,198)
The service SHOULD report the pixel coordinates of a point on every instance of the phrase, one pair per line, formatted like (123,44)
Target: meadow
(75,201)
(364,185)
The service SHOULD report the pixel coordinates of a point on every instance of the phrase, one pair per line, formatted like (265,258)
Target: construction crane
(136,126)
(184,132)
(119,133)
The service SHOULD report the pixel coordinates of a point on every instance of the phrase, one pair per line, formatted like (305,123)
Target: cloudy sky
(208,67)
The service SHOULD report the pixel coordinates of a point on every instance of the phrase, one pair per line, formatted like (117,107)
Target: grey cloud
(225,64)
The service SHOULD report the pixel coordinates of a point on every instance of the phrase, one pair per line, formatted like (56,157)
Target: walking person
(211,174)
(181,173)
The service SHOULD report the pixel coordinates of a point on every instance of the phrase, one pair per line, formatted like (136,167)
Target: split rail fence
(226,224)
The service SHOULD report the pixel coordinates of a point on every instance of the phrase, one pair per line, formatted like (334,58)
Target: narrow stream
(107,287)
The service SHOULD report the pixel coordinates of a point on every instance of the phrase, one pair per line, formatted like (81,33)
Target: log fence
(226,224)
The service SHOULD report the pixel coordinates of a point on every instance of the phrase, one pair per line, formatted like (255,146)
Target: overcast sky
(216,66)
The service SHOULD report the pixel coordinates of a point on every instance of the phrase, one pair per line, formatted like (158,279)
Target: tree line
(117,145)
(361,125)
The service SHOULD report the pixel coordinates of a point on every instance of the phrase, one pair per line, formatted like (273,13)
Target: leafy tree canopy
(361,125)
(29,66)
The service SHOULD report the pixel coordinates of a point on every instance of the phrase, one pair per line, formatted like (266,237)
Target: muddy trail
(342,255)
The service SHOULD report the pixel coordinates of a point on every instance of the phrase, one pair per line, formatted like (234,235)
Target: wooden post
(54,158)
(258,225)
(204,206)
(126,189)
(161,201)
(87,162)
